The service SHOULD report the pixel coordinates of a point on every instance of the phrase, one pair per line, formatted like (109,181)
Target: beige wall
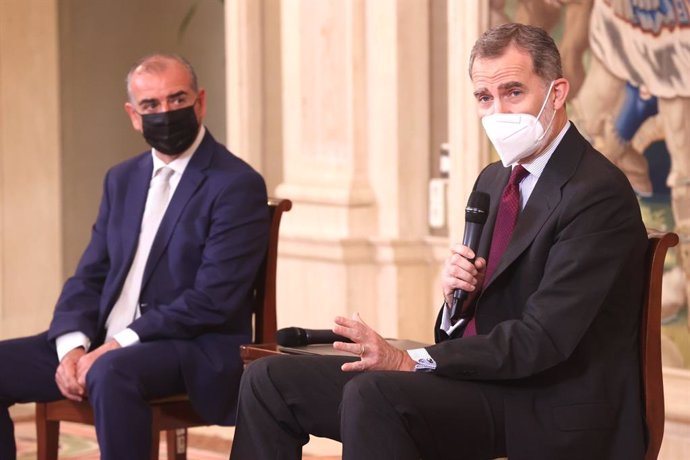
(30,221)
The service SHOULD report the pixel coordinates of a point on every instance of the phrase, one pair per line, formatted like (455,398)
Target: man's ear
(561,88)
(201,105)
(134,117)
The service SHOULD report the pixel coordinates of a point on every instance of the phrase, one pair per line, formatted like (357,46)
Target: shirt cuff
(69,341)
(126,338)
(425,363)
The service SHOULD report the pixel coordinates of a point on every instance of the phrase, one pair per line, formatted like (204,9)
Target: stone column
(352,95)
(355,146)
(254,85)
(243,73)
(469,147)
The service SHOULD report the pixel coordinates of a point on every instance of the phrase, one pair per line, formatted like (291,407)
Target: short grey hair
(546,60)
(158,62)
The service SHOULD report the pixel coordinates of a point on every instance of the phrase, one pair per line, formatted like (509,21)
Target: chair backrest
(265,323)
(650,339)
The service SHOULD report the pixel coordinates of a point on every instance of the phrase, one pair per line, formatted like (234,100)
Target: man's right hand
(66,375)
(460,273)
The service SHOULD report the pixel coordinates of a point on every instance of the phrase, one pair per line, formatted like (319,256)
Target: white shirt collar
(536,166)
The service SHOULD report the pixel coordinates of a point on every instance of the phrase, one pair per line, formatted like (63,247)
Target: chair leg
(177,444)
(47,435)
(155,443)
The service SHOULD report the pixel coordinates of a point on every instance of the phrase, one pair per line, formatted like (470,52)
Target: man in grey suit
(542,362)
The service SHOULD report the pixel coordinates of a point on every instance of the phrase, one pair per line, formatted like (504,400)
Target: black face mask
(171,132)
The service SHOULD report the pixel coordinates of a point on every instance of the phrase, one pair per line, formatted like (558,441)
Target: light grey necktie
(126,308)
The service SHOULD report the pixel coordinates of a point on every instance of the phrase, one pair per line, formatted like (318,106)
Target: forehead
(157,82)
(514,65)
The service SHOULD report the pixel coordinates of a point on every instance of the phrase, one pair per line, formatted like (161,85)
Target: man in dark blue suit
(161,299)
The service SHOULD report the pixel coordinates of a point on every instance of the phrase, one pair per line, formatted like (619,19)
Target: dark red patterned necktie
(508,211)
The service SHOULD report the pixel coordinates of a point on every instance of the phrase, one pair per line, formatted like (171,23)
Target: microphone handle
(315,336)
(459,295)
(473,231)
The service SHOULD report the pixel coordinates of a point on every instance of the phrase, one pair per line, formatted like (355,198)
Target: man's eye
(516,92)
(178,100)
(148,107)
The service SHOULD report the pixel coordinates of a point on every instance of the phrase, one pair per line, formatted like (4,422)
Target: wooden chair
(650,339)
(174,414)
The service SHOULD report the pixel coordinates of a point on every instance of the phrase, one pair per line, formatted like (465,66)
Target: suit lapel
(544,198)
(190,182)
(495,189)
(135,202)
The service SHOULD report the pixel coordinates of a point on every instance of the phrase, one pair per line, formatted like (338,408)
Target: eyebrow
(511,84)
(480,91)
(501,87)
(169,96)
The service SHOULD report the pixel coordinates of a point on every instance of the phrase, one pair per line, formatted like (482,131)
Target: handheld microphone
(298,337)
(475,216)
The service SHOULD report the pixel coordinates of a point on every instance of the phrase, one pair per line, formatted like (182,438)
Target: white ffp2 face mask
(516,135)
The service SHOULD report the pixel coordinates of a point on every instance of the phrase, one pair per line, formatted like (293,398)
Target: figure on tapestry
(629,64)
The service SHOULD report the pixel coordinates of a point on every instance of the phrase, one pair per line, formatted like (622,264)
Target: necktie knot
(516,176)
(512,189)
(163,174)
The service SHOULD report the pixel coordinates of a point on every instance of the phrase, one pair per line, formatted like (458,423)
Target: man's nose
(497,106)
(164,106)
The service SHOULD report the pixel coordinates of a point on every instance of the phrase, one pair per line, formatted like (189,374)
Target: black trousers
(119,384)
(376,415)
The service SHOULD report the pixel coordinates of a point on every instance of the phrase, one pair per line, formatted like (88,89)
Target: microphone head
(477,207)
(291,337)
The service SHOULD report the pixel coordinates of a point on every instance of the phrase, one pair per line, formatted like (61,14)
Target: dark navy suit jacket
(196,290)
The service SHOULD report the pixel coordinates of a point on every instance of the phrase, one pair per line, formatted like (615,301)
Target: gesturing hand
(374,352)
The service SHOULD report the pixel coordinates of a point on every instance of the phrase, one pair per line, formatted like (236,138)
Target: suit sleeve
(77,307)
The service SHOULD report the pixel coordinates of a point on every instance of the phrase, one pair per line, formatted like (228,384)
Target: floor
(78,442)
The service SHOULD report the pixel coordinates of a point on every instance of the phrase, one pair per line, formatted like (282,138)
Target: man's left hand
(86,361)
(373,350)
